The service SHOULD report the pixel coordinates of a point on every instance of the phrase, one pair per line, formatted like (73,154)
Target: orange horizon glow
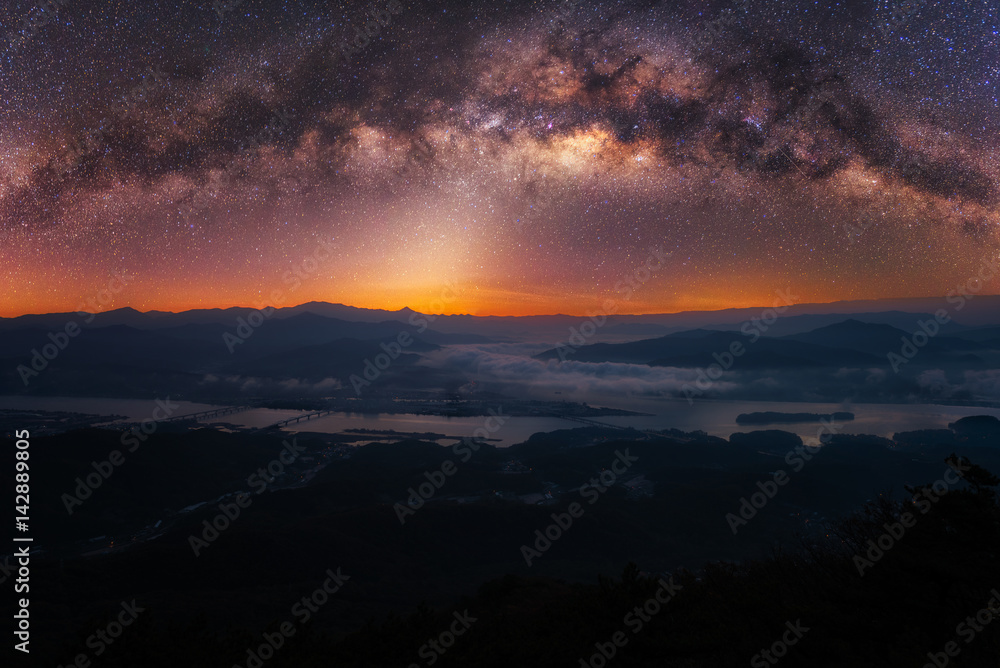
(542,307)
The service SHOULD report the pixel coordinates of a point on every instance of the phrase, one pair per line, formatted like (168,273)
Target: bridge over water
(304,416)
(215,412)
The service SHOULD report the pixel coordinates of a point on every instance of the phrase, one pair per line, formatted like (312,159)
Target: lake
(715,417)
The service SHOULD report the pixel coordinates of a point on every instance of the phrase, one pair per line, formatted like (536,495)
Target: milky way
(528,155)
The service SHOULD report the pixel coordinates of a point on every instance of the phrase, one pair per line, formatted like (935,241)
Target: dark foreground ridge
(669,549)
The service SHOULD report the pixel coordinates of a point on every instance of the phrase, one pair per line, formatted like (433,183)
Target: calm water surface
(715,417)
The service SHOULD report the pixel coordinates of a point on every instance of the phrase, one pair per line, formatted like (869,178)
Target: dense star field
(529,155)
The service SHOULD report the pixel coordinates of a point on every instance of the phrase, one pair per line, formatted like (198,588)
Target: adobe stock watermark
(60,339)
(373,370)
(539,188)
(436,479)
(85,487)
(363,36)
(968,290)
(636,619)
(153,79)
(928,329)
(218,180)
(967,630)
(393,349)
(224,7)
(712,30)
(591,491)
(564,11)
(796,458)
(230,512)
(753,328)
(854,231)
(924,500)
(626,287)
(301,612)
(420,154)
(910,165)
(434,649)
(39,16)
(803,114)
(100,640)
(779,648)
(245,327)
(899,15)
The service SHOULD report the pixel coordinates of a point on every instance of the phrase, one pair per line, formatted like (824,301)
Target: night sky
(530,155)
